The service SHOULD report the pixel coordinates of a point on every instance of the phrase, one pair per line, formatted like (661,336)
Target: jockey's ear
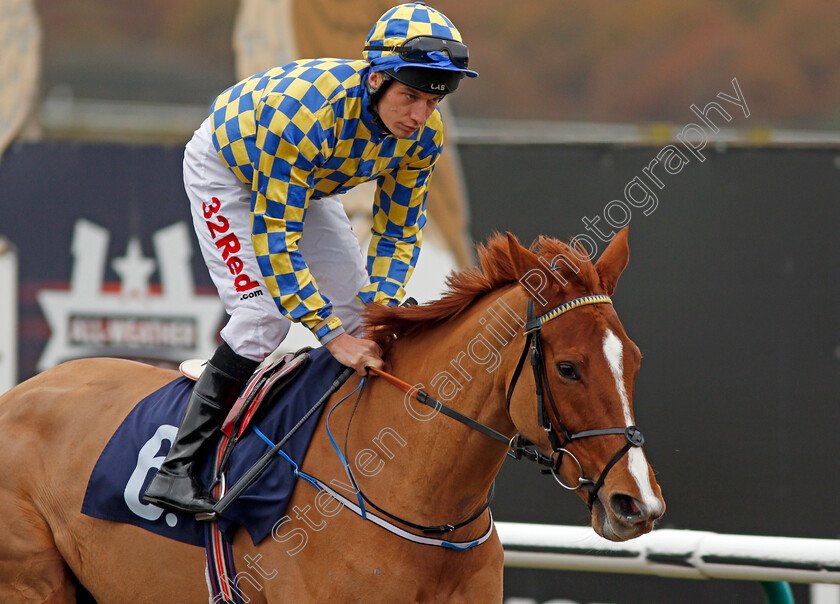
(613,261)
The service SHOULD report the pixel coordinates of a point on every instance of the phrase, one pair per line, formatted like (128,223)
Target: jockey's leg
(220,207)
(221,211)
(176,486)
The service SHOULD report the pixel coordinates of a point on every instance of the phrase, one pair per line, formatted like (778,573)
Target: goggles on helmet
(417,49)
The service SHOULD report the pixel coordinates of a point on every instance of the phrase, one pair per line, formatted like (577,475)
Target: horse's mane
(496,270)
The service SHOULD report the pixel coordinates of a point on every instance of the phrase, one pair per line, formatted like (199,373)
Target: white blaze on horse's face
(636,461)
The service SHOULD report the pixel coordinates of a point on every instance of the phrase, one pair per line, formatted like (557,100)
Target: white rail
(673,553)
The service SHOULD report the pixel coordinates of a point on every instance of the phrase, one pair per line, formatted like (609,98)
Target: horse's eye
(568,371)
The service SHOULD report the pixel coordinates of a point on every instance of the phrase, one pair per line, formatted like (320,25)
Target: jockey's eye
(568,371)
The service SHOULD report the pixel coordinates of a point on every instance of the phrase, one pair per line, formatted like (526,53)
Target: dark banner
(731,294)
(107,260)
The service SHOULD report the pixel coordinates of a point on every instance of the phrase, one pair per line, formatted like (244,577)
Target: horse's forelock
(574,265)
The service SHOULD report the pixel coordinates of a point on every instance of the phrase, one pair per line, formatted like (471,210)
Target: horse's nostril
(628,508)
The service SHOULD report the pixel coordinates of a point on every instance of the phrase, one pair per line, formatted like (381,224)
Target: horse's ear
(613,261)
(521,258)
(514,248)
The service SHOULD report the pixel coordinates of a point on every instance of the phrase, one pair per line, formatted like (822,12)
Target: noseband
(559,436)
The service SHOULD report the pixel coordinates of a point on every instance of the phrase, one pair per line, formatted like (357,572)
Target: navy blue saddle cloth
(138,447)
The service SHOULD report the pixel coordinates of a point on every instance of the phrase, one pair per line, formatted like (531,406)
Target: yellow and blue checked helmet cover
(407,21)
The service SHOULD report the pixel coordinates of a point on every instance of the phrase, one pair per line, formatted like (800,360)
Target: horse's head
(590,367)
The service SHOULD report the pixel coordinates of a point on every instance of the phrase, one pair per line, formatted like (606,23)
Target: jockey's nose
(419,112)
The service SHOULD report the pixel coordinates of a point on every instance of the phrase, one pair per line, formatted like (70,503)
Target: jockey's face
(403,109)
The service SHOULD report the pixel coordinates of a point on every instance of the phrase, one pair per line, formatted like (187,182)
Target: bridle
(519,446)
(559,437)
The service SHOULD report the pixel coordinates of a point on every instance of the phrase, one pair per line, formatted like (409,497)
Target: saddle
(265,384)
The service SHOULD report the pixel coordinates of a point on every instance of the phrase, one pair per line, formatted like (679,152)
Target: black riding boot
(175,486)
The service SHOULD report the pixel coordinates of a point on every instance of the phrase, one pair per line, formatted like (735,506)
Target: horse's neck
(465,364)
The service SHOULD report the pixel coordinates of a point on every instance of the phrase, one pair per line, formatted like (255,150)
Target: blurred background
(613,62)
(732,287)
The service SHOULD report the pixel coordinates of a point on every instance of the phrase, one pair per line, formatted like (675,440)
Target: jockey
(263,174)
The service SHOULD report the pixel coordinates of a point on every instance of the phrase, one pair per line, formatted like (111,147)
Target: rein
(424,398)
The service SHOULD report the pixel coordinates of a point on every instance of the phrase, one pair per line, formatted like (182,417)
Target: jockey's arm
(281,190)
(392,255)
(399,214)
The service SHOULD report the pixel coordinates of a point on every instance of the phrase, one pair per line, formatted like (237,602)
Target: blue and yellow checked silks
(303,131)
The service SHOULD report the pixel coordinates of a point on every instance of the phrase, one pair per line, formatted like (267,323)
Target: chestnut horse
(413,462)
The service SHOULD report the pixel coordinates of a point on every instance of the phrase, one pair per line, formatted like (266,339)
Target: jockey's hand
(357,353)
